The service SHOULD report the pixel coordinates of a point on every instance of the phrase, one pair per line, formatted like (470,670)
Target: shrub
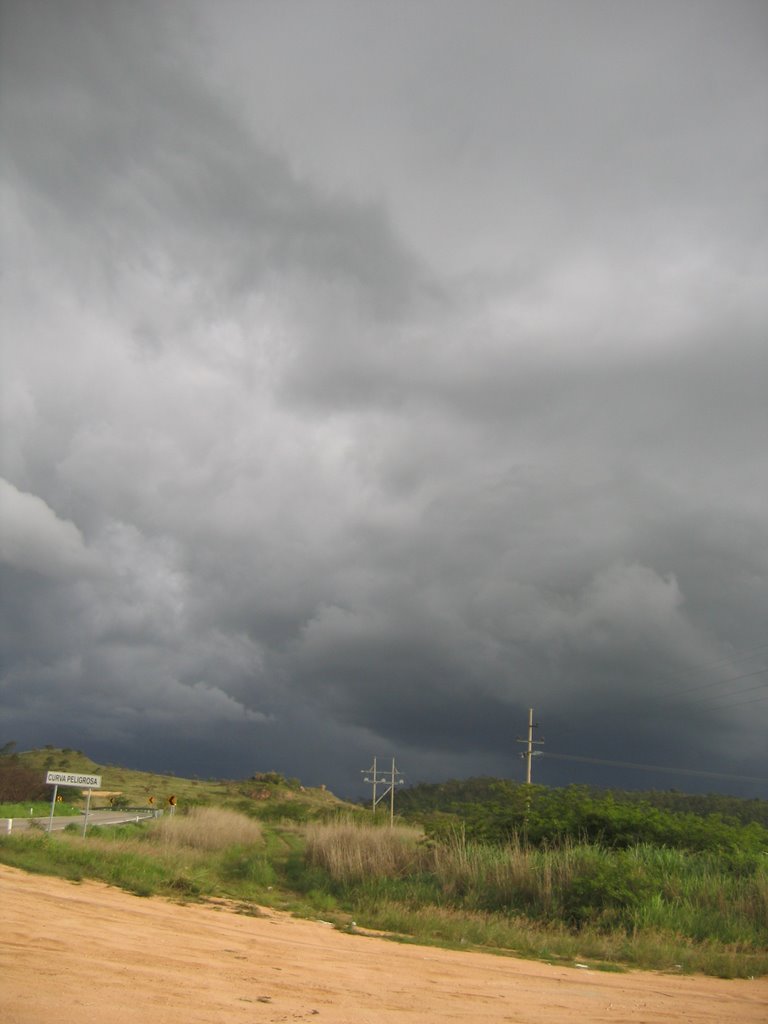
(18,783)
(606,890)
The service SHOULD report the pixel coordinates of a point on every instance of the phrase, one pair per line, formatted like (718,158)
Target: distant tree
(18,783)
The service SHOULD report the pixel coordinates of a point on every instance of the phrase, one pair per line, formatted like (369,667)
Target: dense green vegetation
(497,810)
(565,875)
(450,796)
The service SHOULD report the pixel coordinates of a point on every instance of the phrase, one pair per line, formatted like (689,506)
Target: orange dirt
(76,953)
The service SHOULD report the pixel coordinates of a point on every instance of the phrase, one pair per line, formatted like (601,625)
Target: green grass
(39,809)
(162,858)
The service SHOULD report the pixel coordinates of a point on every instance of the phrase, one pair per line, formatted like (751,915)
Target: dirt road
(80,953)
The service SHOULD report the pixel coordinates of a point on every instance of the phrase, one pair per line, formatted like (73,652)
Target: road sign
(71,779)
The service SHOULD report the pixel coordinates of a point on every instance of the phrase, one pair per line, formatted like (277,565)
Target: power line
(723,707)
(670,699)
(741,693)
(746,653)
(736,656)
(718,682)
(651,767)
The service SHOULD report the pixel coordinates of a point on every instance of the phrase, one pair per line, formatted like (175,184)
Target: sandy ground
(87,952)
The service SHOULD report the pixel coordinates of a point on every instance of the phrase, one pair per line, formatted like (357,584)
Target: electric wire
(718,682)
(650,767)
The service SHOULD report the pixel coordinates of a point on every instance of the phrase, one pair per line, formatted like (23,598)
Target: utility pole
(530,753)
(374,779)
(392,796)
(382,778)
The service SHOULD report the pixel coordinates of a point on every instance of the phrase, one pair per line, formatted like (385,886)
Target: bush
(19,784)
(271,778)
(605,891)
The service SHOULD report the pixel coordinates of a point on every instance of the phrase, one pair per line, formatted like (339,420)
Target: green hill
(264,794)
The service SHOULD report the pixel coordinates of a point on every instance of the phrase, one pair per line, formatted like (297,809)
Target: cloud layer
(372,375)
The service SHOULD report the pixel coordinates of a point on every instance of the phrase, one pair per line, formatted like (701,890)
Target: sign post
(57,779)
(53,804)
(87,811)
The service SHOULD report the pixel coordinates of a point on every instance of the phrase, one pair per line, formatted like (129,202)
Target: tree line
(498,810)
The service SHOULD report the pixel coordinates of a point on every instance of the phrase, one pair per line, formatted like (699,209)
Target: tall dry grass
(353,852)
(467,872)
(210,829)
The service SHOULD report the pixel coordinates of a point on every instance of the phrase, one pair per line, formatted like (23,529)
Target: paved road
(94,818)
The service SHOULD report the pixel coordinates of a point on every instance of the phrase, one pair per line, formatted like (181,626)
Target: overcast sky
(373,372)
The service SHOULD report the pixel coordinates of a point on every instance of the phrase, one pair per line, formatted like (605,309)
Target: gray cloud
(34,539)
(368,379)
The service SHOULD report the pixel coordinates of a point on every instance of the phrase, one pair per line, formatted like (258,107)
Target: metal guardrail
(125,816)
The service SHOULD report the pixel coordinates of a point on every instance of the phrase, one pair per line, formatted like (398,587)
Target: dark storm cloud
(353,405)
(109,127)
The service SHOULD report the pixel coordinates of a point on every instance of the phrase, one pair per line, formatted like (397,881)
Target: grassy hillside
(264,795)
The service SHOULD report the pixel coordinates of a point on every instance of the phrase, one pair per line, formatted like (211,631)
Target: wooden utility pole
(530,742)
(392,796)
(375,781)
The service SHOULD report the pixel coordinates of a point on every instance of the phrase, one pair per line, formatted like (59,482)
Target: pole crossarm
(389,779)
(529,753)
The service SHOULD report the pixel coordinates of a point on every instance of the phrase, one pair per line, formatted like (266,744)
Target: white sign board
(70,779)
